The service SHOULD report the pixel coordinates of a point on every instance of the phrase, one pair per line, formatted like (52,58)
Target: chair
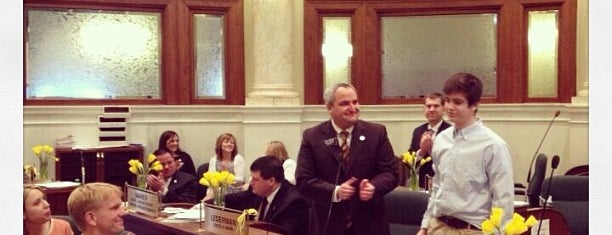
(570,196)
(69,219)
(534,187)
(578,170)
(535,184)
(201,190)
(405,209)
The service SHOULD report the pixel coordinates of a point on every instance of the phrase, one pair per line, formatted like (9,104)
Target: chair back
(405,209)
(535,183)
(570,196)
(201,189)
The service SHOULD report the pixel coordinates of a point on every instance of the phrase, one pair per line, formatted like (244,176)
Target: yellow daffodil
(141,170)
(218,181)
(37,149)
(516,226)
(44,153)
(488,227)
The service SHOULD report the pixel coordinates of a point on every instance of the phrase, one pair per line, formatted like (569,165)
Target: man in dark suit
(346,166)
(423,135)
(277,201)
(174,185)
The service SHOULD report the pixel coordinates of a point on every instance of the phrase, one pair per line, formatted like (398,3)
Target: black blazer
(415,145)
(320,169)
(288,209)
(182,188)
(188,166)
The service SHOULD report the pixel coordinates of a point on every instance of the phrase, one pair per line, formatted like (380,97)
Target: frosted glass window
(421,52)
(209,51)
(542,53)
(87,54)
(337,50)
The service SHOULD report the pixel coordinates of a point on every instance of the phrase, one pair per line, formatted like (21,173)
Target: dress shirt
(473,171)
(335,197)
(269,198)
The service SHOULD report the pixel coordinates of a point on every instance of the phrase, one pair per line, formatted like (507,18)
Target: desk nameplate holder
(220,220)
(143,201)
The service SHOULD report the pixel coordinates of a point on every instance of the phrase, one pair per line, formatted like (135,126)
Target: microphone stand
(538,149)
(554,164)
(82,169)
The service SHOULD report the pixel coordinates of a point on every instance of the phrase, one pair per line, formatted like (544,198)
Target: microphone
(540,145)
(331,202)
(82,169)
(554,164)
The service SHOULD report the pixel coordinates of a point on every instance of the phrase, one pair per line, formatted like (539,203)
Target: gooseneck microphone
(540,145)
(554,164)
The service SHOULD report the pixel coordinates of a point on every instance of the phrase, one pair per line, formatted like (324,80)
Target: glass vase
(44,172)
(141,181)
(219,198)
(413,181)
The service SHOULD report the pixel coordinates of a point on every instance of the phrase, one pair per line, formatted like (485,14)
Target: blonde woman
(37,214)
(277,149)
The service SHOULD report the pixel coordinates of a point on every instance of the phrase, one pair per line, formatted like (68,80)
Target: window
(524,51)
(130,52)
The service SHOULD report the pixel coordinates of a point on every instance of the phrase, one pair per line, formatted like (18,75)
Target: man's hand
(366,190)
(422,232)
(156,183)
(346,189)
(426,143)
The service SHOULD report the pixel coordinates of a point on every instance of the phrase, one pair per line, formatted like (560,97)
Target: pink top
(60,227)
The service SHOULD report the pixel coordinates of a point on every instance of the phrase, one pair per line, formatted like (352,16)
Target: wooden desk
(57,198)
(142,224)
(558,223)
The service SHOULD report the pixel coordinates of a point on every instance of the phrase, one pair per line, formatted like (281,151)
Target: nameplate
(143,201)
(220,220)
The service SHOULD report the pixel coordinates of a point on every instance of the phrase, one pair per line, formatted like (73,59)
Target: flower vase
(141,181)
(219,199)
(413,181)
(44,173)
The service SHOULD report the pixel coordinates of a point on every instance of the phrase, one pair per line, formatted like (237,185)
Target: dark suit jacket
(182,188)
(415,145)
(188,166)
(320,161)
(289,209)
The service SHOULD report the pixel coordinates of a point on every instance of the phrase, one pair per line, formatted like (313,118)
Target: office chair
(535,184)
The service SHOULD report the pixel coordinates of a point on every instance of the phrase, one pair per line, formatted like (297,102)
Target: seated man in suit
(277,201)
(174,185)
(423,135)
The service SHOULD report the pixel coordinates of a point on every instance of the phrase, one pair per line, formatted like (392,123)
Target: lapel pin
(175,181)
(361,137)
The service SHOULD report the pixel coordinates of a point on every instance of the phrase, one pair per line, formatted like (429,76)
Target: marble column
(271,52)
(582,54)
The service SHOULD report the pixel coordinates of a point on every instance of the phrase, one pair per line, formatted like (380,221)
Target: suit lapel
(330,140)
(277,203)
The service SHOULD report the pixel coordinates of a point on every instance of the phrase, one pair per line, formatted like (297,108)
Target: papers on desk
(520,204)
(181,215)
(58,184)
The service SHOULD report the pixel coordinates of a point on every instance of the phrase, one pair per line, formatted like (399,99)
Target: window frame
(511,44)
(177,59)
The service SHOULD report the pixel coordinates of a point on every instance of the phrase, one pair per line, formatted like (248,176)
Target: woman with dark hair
(227,159)
(169,141)
(37,214)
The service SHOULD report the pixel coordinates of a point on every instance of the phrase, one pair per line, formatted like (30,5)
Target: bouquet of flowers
(517,225)
(414,163)
(44,153)
(218,181)
(141,170)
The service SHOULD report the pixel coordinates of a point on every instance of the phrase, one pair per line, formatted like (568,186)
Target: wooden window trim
(177,56)
(511,39)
